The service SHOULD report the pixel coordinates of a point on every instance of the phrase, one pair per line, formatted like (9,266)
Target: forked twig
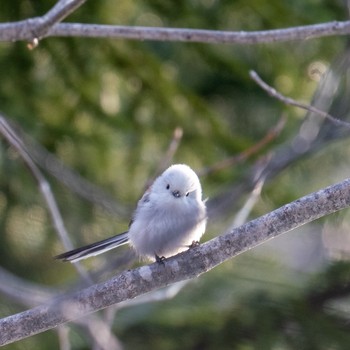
(289,101)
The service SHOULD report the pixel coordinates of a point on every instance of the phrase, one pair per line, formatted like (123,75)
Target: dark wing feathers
(94,248)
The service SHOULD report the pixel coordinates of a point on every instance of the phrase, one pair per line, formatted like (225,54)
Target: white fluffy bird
(169,218)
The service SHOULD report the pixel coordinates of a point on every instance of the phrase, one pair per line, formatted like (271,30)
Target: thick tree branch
(25,292)
(31,294)
(187,265)
(41,27)
(200,35)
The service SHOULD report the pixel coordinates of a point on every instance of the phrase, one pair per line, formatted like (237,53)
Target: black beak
(176,194)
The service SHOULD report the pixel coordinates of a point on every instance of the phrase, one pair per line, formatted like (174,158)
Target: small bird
(169,218)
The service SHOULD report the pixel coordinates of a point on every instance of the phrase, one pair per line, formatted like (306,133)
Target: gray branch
(38,27)
(190,264)
(47,25)
(9,134)
(72,180)
(24,292)
(201,35)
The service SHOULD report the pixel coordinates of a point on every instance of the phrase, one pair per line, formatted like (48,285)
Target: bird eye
(167,186)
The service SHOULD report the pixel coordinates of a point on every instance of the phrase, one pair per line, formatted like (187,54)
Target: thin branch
(289,101)
(172,148)
(11,137)
(72,180)
(243,214)
(332,95)
(270,136)
(63,338)
(34,28)
(9,134)
(101,334)
(168,156)
(24,292)
(192,263)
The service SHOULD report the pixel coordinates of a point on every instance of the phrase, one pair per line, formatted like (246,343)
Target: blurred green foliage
(108,109)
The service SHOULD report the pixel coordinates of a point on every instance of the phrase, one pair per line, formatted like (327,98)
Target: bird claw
(194,244)
(160,259)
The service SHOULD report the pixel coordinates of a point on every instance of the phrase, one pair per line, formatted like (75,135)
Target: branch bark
(184,266)
(48,26)
(201,35)
(36,28)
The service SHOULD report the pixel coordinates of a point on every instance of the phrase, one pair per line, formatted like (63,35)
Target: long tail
(94,248)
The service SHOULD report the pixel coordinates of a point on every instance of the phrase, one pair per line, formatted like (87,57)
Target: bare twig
(172,148)
(16,143)
(186,265)
(100,333)
(168,156)
(228,162)
(332,95)
(8,133)
(72,180)
(63,337)
(243,214)
(289,101)
(24,292)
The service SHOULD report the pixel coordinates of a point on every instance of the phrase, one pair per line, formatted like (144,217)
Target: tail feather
(94,248)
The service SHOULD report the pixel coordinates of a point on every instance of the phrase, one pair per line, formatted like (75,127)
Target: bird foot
(160,259)
(194,244)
